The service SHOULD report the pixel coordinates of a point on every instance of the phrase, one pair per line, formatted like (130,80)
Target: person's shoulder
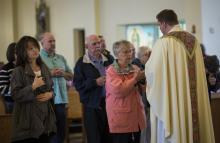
(43,53)
(178,34)
(168,39)
(8,66)
(136,61)
(79,61)
(164,38)
(18,70)
(44,66)
(162,41)
(60,56)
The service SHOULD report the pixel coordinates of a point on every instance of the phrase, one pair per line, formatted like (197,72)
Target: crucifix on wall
(42,18)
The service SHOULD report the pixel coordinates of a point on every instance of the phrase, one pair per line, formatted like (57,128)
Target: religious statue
(42,18)
(135,38)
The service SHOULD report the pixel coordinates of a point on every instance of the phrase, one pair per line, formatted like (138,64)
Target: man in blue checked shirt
(60,72)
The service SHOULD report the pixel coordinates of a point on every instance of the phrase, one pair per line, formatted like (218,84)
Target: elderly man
(177,89)
(89,80)
(60,72)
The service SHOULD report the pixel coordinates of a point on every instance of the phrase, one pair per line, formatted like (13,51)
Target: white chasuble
(177,91)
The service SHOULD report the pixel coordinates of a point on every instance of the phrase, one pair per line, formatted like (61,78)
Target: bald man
(60,72)
(89,80)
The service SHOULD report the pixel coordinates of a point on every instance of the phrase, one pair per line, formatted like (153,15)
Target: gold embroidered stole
(189,44)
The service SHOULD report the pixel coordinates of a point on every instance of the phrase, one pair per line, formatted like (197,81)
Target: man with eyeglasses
(89,80)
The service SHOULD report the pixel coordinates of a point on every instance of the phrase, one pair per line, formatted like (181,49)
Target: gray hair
(117,46)
(142,50)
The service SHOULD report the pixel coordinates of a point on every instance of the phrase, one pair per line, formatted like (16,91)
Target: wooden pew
(74,111)
(215,107)
(2,105)
(5,128)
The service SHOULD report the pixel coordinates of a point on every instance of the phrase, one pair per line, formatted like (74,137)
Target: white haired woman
(124,106)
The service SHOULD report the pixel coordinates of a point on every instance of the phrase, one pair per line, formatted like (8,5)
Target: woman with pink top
(125,110)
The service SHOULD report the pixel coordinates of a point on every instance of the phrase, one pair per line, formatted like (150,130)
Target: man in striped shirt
(5,75)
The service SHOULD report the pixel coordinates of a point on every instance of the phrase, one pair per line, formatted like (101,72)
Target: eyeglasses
(95,43)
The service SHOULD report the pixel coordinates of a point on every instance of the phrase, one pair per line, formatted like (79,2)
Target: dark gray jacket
(31,118)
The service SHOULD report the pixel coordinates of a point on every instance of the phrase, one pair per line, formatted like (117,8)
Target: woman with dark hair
(5,75)
(34,118)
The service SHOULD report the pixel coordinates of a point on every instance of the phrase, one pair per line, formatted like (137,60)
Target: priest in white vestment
(177,88)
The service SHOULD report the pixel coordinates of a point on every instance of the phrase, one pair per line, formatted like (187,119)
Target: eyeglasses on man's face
(95,43)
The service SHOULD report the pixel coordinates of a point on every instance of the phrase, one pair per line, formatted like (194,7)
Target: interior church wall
(6,25)
(67,15)
(211,26)
(116,13)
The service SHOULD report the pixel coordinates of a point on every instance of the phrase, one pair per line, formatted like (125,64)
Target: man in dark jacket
(89,80)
